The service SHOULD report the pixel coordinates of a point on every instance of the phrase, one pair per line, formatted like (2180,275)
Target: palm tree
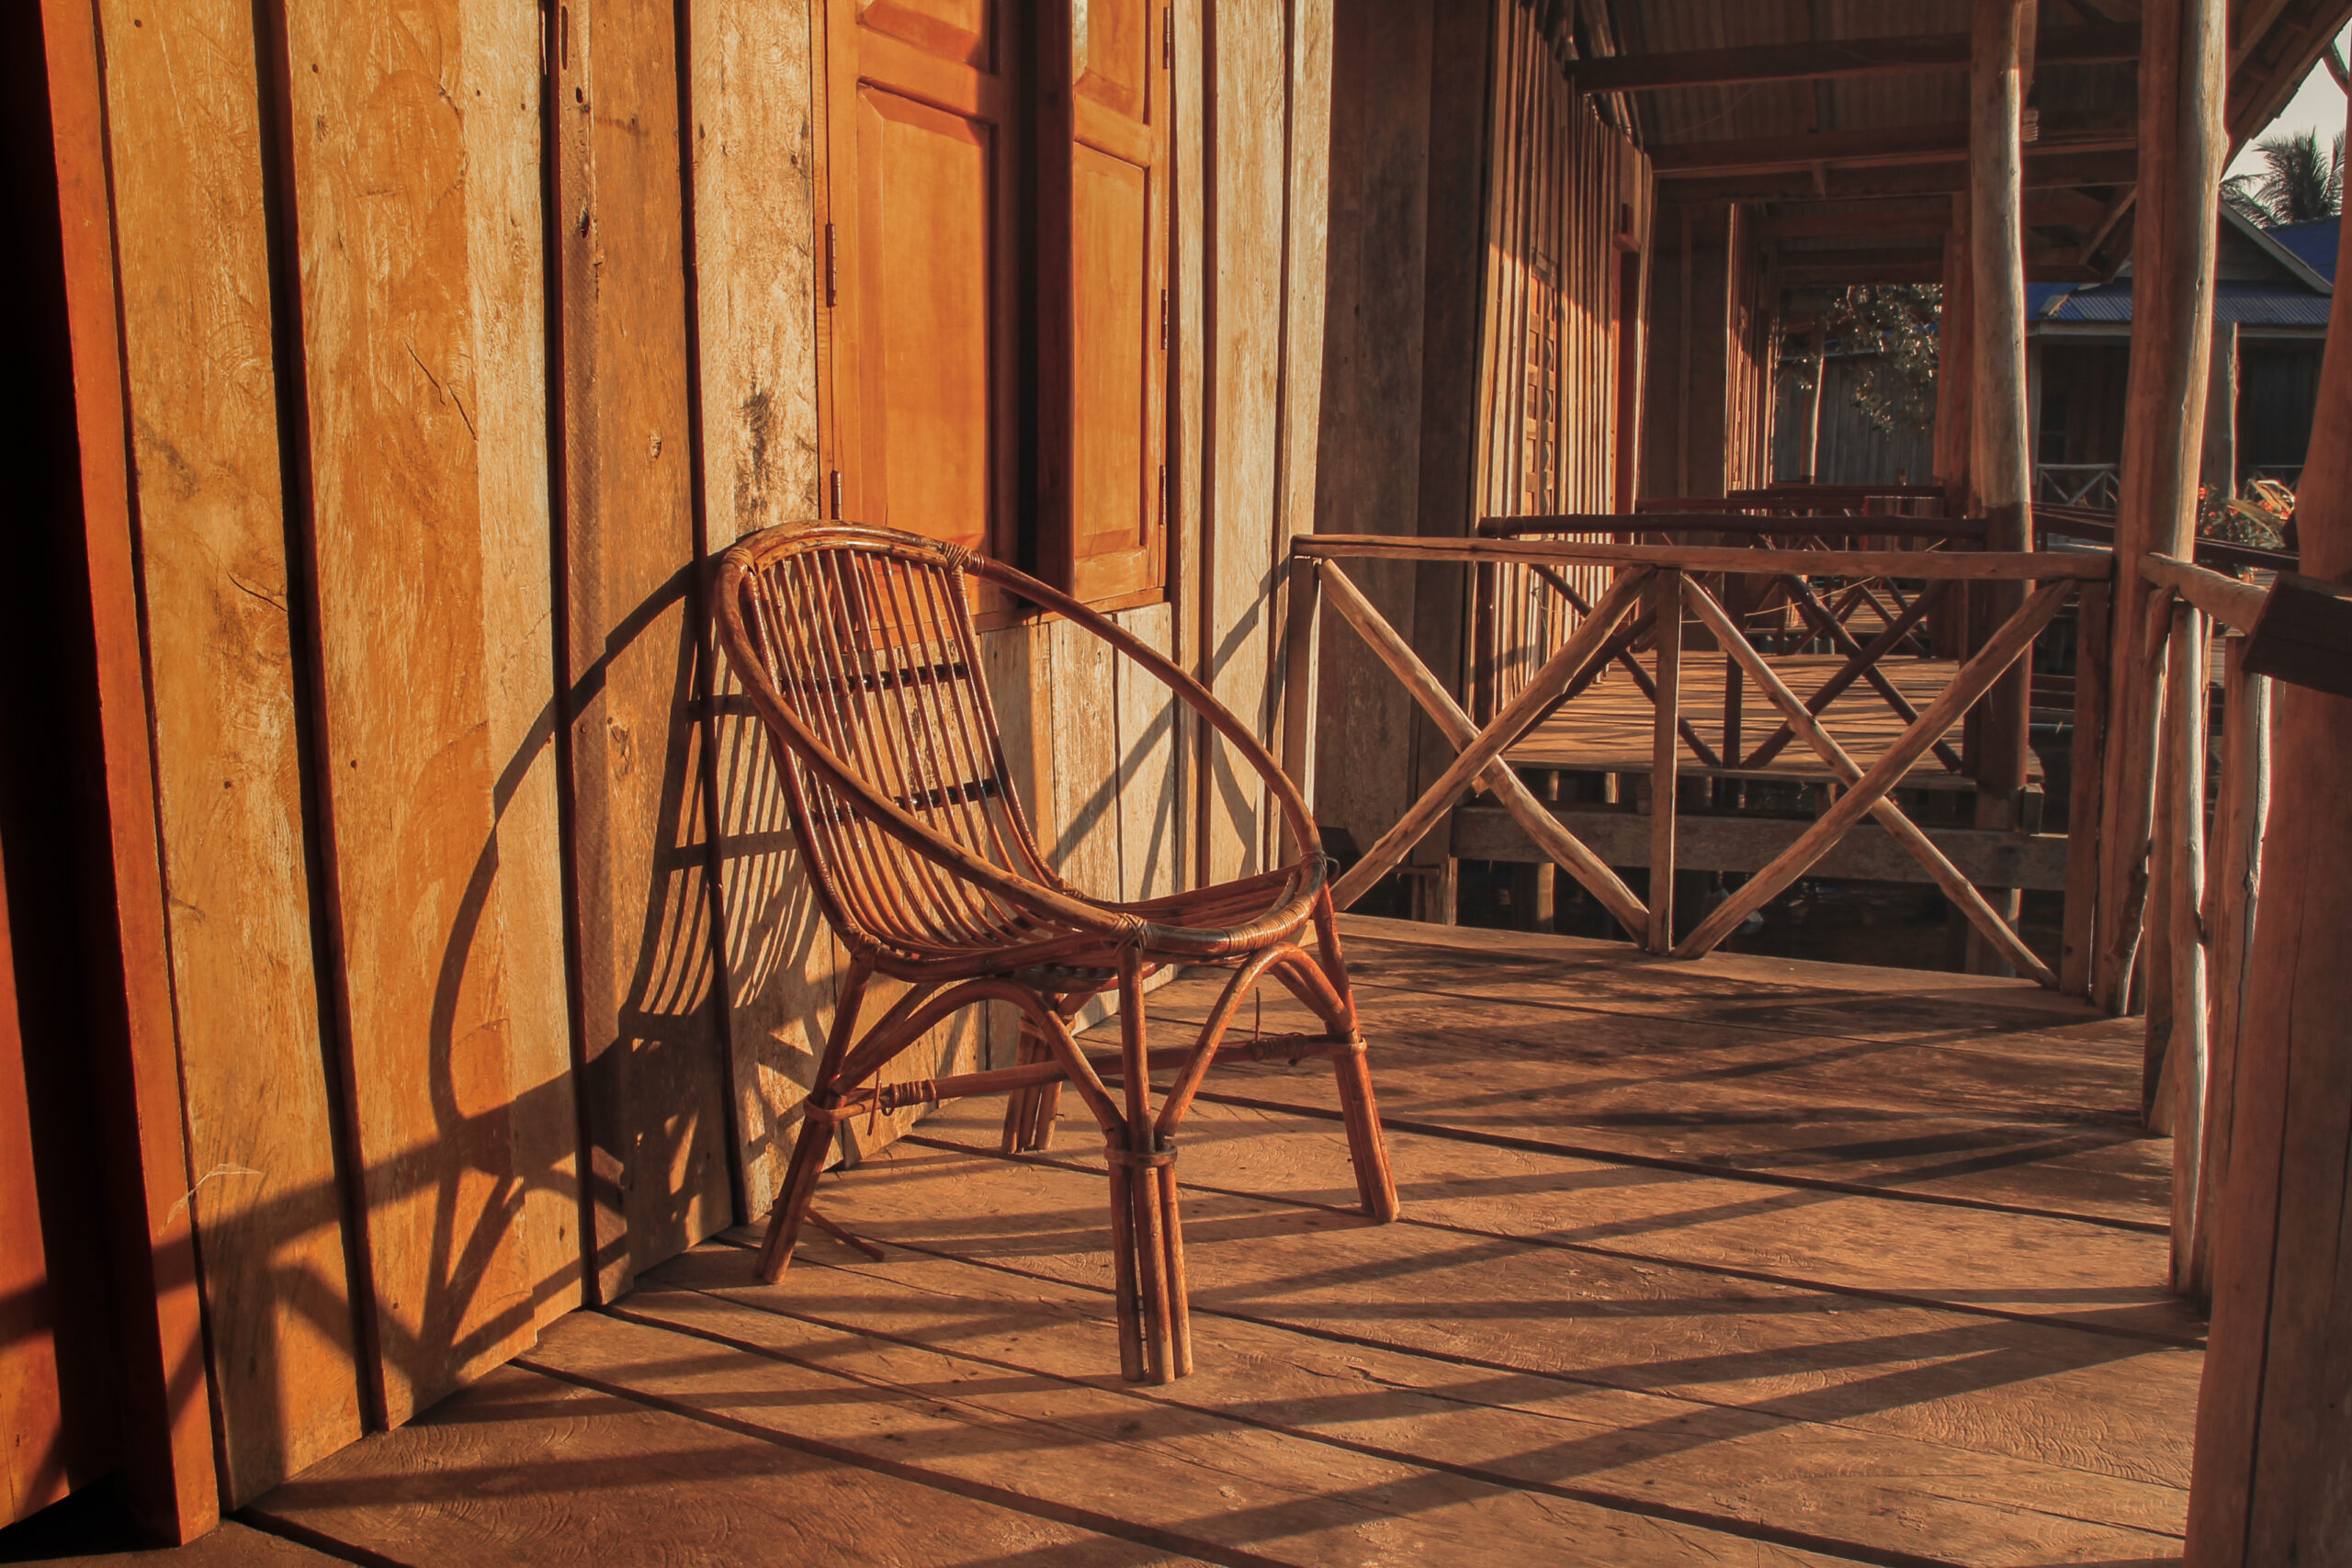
(2301,184)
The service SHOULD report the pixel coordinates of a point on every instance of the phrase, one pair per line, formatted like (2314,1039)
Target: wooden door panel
(1102,292)
(1111,54)
(960,30)
(927,180)
(1116,326)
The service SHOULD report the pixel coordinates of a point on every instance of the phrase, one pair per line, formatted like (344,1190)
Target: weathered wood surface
(185,119)
(83,508)
(34,1467)
(1599,1358)
(1874,1079)
(421,290)
(524,1469)
(652,1027)
(233,1545)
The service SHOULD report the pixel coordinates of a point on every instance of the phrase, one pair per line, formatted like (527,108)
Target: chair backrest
(861,642)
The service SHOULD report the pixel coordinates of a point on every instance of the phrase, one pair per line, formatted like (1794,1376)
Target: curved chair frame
(855,647)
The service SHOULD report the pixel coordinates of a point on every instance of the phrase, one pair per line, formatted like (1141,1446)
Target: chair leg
(1123,1271)
(1367,1150)
(1180,1302)
(792,1198)
(816,1131)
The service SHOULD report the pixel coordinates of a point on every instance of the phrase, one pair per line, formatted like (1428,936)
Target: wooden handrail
(2098,524)
(2226,599)
(1815,524)
(2011,566)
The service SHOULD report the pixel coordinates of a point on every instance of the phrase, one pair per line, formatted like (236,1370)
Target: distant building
(2270,321)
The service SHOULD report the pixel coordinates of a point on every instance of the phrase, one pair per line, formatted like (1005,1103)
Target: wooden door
(1102,294)
(916,216)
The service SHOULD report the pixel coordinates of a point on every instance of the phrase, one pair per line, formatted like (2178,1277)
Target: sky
(2318,105)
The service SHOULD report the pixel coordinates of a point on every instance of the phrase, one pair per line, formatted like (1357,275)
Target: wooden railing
(1649,588)
(2203,888)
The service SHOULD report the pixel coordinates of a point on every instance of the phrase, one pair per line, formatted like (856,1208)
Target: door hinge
(1167,37)
(1163,321)
(837,495)
(833,270)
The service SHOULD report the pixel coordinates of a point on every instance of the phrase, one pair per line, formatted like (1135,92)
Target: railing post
(1666,598)
(2185,1056)
(2233,890)
(1299,669)
(2088,765)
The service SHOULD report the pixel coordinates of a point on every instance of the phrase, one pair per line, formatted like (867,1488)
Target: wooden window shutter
(1103,297)
(919,330)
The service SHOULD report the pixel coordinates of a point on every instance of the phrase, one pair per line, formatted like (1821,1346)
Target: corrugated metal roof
(2248,304)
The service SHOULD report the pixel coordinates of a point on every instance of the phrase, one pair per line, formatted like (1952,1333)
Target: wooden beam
(1872,146)
(1975,566)
(2062,170)
(1873,220)
(1709,842)
(1835,58)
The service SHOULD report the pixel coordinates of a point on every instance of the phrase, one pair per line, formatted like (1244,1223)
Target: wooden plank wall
(1567,196)
(493,976)
(1707,420)
(1471,362)
(1265,126)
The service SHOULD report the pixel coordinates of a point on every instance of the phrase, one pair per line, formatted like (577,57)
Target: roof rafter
(1838,57)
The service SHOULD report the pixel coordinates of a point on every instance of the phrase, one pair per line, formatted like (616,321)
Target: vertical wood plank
(1305,272)
(1246,234)
(1189,145)
(416,250)
(505,225)
(126,1032)
(755,69)
(184,106)
(1150,789)
(1368,476)
(656,1078)
(1666,742)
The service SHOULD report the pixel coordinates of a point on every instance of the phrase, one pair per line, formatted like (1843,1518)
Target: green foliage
(1890,330)
(2300,182)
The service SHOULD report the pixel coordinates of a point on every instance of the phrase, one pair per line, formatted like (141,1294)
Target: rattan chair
(856,646)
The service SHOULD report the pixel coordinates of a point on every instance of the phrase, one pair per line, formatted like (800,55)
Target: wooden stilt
(2185,1054)
(2181,156)
(1999,468)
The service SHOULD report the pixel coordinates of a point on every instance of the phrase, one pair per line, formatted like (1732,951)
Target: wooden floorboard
(1608,727)
(233,1545)
(523,1468)
(1743,1262)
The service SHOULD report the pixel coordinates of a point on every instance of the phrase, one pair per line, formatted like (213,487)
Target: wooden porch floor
(1608,727)
(1747,1262)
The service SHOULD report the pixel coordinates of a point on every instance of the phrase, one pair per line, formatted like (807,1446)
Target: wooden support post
(2234,893)
(1820,359)
(1999,461)
(2184,1056)
(1665,745)
(2086,764)
(2271,1483)
(2181,154)
(1955,344)
(2218,465)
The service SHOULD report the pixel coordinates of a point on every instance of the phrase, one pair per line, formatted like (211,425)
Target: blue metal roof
(2248,304)
(2314,244)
